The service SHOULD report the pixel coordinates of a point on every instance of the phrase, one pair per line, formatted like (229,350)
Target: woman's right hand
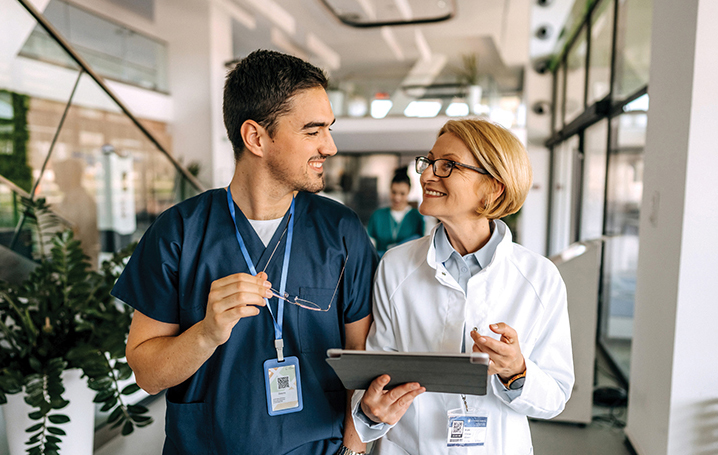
(388,406)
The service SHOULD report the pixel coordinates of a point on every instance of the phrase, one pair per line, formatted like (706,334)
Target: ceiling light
(357,106)
(379,108)
(457,108)
(502,117)
(424,108)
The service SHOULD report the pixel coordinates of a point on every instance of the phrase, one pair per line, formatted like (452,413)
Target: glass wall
(633,47)
(599,68)
(593,181)
(625,189)
(576,77)
(563,194)
(558,111)
(64,139)
(603,199)
(112,50)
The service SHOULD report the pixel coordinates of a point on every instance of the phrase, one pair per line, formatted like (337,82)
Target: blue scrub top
(222,408)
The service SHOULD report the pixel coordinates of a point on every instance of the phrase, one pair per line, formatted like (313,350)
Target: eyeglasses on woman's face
(442,167)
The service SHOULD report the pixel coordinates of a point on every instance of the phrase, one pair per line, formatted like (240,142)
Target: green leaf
(103,396)
(33,428)
(127,428)
(115,415)
(59,418)
(37,415)
(57,431)
(36,438)
(140,419)
(59,404)
(137,409)
(130,389)
(109,404)
(51,438)
(35,364)
(117,424)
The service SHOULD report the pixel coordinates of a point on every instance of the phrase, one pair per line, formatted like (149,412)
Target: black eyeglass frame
(452,164)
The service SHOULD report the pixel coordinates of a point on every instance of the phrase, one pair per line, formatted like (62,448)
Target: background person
(398,223)
(247,375)
(430,294)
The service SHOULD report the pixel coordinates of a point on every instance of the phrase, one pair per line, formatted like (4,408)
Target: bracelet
(344,450)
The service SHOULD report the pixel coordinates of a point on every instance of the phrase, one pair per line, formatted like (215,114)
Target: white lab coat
(419,307)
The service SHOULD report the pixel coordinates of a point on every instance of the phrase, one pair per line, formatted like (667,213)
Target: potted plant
(468,76)
(62,317)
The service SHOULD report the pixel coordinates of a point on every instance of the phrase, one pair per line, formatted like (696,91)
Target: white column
(185,24)
(673,397)
(220,53)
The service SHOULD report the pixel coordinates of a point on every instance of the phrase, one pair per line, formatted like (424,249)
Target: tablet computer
(438,372)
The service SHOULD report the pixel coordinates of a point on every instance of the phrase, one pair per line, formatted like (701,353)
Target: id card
(283,386)
(466,428)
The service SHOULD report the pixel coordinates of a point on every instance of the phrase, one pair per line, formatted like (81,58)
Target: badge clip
(279,346)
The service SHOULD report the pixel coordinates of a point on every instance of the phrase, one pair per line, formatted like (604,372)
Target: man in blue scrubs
(244,370)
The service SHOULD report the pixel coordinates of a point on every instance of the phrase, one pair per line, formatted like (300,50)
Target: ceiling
(382,59)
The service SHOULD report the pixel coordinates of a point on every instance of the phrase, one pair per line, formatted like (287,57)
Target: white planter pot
(475,92)
(81,411)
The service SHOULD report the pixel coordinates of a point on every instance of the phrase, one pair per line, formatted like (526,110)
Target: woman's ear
(498,189)
(253,135)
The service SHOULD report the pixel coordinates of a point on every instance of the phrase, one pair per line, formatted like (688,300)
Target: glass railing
(67,138)
(113,50)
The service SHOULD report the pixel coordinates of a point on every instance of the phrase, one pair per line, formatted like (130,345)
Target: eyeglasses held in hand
(442,168)
(293,299)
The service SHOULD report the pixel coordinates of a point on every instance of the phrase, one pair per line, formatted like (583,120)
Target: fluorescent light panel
(457,109)
(423,108)
(379,108)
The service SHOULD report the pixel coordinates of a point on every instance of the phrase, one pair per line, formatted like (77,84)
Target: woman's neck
(468,236)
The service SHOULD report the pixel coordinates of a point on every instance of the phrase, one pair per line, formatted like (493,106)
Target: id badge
(467,428)
(283,386)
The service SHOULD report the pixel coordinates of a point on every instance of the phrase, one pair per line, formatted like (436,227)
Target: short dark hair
(260,88)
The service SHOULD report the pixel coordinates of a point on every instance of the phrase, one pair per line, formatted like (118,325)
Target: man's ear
(254,136)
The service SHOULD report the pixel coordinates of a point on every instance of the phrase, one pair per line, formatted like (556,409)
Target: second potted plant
(62,317)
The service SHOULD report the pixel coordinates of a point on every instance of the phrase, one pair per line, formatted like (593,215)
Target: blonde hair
(502,154)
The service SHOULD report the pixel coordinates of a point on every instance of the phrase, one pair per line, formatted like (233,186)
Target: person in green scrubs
(398,223)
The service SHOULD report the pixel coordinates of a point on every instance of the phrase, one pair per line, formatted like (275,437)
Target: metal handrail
(25,195)
(50,29)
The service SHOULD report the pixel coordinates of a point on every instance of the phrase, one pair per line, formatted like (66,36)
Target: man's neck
(258,197)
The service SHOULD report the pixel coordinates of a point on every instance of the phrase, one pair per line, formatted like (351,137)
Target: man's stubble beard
(307,184)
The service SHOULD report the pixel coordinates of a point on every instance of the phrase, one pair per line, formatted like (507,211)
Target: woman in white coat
(467,286)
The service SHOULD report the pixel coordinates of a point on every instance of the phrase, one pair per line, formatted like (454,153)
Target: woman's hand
(505,358)
(388,406)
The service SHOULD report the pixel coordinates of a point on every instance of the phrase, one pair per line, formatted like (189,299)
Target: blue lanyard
(279,320)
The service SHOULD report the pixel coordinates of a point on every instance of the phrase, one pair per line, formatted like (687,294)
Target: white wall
(673,401)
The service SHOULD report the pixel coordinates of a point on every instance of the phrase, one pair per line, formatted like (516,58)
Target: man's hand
(505,358)
(388,406)
(230,299)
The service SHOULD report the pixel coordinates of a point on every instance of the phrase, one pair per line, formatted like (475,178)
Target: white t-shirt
(265,228)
